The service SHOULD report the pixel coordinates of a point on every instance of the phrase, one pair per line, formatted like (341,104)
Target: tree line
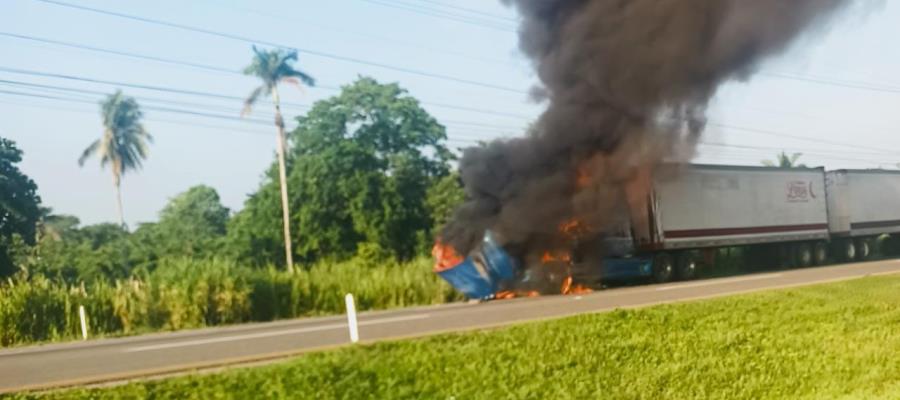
(368,170)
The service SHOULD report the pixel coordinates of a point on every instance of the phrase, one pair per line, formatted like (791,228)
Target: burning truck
(585,195)
(800,216)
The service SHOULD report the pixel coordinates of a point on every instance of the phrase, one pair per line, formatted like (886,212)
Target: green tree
(192,224)
(443,198)
(274,67)
(783,160)
(19,204)
(361,165)
(56,226)
(86,254)
(124,142)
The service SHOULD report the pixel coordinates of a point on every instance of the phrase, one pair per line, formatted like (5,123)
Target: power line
(151,108)
(814,154)
(793,149)
(183,111)
(209,107)
(100,93)
(796,137)
(450,139)
(134,85)
(434,12)
(220,96)
(147,118)
(366,35)
(273,44)
(756,159)
(225,70)
(831,82)
(860,86)
(120,53)
(469,10)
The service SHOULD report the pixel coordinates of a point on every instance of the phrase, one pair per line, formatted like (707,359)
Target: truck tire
(686,266)
(803,255)
(663,270)
(820,253)
(863,249)
(847,250)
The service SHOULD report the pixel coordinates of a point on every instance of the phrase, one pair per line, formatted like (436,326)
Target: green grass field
(824,342)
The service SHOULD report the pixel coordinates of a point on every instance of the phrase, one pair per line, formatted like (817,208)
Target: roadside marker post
(81,314)
(351,318)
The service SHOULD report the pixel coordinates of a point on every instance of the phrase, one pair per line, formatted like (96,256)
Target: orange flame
(583,176)
(445,256)
(504,295)
(566,285)
(569,288)
(510,294)
(549,257)
(571,227)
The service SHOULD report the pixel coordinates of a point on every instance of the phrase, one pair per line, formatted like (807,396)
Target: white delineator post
(83,317)
(351,318)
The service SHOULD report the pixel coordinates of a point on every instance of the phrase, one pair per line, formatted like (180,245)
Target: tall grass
(185,293)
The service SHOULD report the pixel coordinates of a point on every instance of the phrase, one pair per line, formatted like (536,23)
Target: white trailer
(862,204)
(713,206)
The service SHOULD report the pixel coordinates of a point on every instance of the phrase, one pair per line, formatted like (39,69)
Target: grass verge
(830,341)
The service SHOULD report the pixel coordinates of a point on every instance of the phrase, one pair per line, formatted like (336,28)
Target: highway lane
(108,360)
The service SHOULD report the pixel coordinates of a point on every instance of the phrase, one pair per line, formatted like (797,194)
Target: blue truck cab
(491,269)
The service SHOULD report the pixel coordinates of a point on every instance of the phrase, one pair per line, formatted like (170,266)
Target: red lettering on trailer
(798,192)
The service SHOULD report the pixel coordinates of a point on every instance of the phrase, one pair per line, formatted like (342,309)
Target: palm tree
(274,67)
(124,141)
(783,160)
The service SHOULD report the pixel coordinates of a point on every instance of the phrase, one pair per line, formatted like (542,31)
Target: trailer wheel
(820,253)
(891,245)
(803,256)
(663,270)
(848,250)
(863,249)
(686,266)
(787,256)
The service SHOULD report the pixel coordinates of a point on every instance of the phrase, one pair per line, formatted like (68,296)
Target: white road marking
(719,282)
(248,336)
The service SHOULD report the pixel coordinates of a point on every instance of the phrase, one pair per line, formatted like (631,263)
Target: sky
(834,96)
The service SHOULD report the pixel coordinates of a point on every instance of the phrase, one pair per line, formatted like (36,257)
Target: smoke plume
(627,84)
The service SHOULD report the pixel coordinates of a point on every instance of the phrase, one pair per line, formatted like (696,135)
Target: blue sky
(834,96)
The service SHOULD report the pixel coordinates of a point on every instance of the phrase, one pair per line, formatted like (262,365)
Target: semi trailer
(800,216)
(862,205)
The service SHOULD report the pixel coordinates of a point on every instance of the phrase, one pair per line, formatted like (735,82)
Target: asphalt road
(110,360)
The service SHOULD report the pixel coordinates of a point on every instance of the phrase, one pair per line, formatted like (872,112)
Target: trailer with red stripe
(705,207)
(862,204)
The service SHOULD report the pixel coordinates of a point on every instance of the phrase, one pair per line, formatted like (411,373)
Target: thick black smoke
(627,84)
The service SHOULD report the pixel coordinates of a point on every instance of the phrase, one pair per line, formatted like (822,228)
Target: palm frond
(251,99)
(88,152)
(274,67)
(124,141)
(304,77)
(293,81)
